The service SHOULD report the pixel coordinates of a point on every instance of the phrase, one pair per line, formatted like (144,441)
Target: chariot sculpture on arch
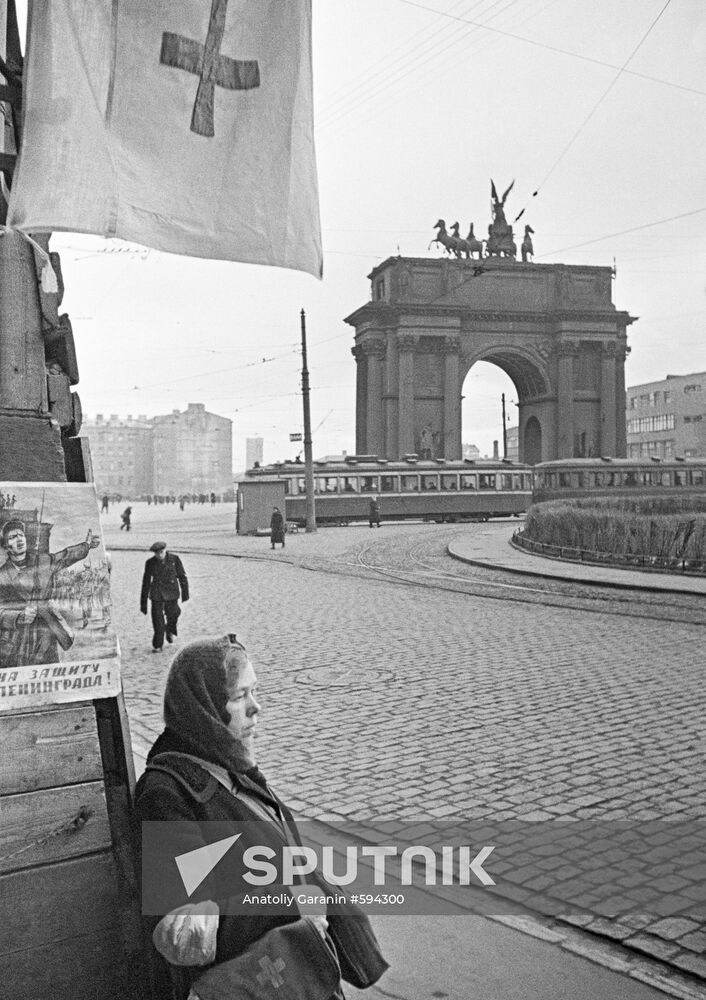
(501,239)
(501,242)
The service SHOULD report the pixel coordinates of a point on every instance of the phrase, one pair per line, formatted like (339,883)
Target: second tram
(618,477)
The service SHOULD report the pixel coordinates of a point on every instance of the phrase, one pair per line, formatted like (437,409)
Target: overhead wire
(413,66)
(560,51)
(405,51)
(625,232)
(597,105)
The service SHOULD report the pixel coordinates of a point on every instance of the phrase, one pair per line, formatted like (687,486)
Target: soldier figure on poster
(31,628)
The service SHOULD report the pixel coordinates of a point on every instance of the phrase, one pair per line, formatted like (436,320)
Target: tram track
(475,582)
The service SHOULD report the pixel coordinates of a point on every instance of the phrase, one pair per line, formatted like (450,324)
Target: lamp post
(504,428)
(308,459)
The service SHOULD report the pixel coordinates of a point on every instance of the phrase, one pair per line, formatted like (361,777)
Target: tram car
(618,477)
(435,490)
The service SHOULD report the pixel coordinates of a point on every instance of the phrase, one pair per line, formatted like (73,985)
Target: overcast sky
(417,106)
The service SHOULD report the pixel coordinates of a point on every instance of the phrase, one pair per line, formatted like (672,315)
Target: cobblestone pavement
(391,694)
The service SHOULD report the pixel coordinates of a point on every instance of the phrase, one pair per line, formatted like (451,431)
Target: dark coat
(195,795)
(163,580)
(277,526)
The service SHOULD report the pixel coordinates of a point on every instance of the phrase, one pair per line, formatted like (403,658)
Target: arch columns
(567,352)
(374,351)
(406,345)
(452,399)
(544,325)
(609,356)
(361,394)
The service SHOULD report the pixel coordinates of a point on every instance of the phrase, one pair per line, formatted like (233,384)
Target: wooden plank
(44,749)
(57,903)
(88,966)
(52,824)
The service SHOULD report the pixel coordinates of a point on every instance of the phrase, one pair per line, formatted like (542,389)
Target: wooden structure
(69,905)
(552,328)
(256,498)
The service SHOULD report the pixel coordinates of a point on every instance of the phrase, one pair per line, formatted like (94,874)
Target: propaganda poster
(57,637)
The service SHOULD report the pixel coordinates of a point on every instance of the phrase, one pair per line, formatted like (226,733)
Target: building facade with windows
(171,455)
(121,454)
(667,418)
(193,452)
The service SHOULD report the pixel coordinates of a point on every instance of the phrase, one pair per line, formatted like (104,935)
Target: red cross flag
(184,126)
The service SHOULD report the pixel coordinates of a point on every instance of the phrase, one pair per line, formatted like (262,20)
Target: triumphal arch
(552,328)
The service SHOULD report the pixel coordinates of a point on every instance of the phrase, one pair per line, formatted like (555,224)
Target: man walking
(162,582)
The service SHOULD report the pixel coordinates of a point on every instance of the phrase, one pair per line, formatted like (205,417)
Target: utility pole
(308,459)
(504,429)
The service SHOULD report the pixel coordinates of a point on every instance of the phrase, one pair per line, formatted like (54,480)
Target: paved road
(389,692)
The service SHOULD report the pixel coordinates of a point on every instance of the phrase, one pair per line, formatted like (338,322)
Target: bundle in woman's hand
(187,935)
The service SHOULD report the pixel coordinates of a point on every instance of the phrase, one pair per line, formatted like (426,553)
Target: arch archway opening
(509,372)
(482,413)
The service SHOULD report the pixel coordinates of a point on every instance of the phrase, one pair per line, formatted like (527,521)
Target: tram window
(388,484)
(350,484)
(564,480)
(680,478)
(551,480)
(631,479)
(469,482)
(580,480)
(527,480)
(369,484)
(486,481)
(666,478)
(449,482)
(326,484)
(301,485)
(697,477)
(409,484)
(287,487)
(430,483)
(505,481)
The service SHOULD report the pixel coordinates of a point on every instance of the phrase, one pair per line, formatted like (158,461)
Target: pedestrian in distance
(374,512)
(105,504)
(164,581)
(125,518)
(202,771)
(277,527)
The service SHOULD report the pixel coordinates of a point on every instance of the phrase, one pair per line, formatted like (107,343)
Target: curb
(566,577)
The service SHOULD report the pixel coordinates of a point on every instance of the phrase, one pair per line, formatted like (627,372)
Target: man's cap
(14,524)
(157,546)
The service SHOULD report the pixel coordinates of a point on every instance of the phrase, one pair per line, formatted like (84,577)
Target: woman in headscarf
(202,769)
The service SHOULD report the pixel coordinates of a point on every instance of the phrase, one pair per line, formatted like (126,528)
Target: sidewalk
(489,548)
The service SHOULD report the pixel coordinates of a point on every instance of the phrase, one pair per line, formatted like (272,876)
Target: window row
(648,449)
(642,425)
(657,398)
(580,480)
(414,483)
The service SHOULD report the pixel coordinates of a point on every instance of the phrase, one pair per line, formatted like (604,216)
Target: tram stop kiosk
(256,498)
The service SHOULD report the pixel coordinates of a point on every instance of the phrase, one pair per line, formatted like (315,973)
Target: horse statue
(446,240)
(500,241)
(467,246)
(474,245)
(527,248)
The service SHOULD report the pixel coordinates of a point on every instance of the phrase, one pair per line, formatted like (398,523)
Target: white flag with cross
(183,126)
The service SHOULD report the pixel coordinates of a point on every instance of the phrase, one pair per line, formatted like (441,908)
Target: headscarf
(195,712)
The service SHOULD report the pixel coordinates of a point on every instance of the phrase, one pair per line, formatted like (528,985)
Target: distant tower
(253,451)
